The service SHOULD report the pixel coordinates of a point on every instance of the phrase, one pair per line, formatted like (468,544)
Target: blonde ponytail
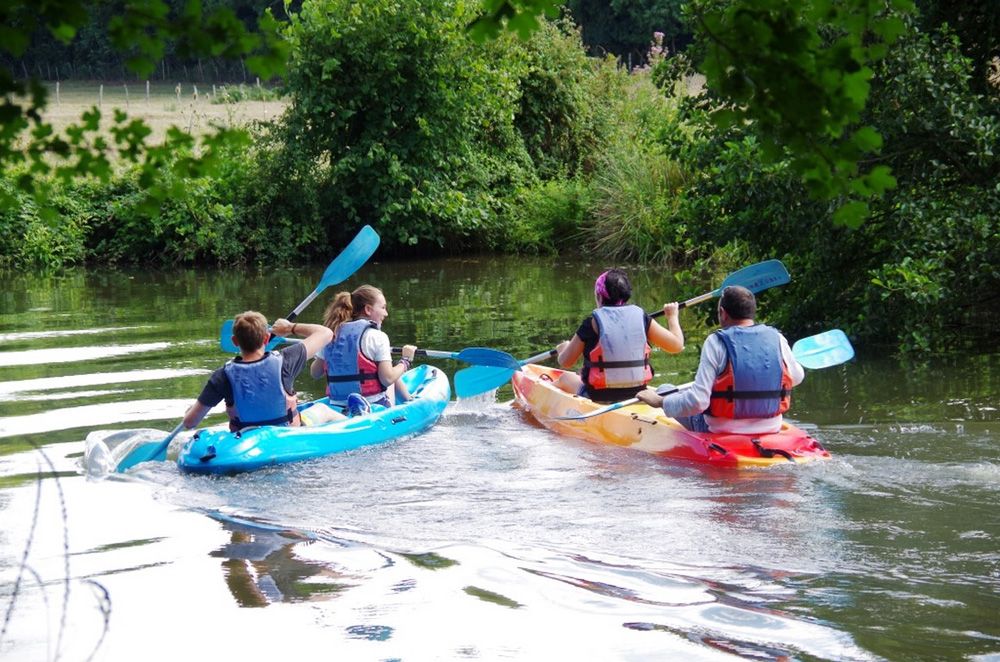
(339,310)
(349,306)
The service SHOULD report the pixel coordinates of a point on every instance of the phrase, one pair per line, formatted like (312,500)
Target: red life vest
(755,382)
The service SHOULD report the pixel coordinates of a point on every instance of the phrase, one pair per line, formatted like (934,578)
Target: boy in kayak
(614,343)
(357,364)
(259,386)
(745,375)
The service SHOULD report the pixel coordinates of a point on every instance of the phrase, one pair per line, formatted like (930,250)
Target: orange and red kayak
(647,429)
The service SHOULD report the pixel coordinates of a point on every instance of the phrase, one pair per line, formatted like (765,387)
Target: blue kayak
(219,451)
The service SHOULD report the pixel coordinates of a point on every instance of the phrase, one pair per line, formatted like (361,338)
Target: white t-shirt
(375,345)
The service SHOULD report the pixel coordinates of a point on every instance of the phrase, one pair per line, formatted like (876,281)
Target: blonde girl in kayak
(357,364)
(614,342)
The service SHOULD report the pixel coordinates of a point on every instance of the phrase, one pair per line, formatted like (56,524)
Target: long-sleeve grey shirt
(695,400)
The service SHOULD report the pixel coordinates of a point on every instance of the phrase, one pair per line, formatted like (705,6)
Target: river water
(487,537)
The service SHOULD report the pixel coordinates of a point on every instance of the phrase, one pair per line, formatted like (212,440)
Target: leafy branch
(142,29)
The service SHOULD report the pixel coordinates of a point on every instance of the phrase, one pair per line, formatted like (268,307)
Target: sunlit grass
(166,105)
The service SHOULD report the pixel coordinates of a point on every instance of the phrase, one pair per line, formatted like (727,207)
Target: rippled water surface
(487,537)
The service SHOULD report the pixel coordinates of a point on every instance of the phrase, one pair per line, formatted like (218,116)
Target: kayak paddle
(144,453)
(662,389)
(823,350)
(484,356)
(354,255)
(228,346)
(352,258)
(756,278)
(470,382)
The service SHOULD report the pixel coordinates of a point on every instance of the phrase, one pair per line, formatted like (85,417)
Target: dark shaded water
(487,537)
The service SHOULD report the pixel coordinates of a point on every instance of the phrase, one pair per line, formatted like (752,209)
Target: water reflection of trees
(523,305)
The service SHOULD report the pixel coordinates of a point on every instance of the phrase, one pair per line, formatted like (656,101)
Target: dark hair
(250,330)
(616,288)
(738,302)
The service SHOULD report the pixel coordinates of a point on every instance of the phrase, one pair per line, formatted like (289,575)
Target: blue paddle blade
(227,344)
(226,338)
(823,350)
(577,416)
(352,258)
(758,277)
(470,382)
(148,452)
(485,356)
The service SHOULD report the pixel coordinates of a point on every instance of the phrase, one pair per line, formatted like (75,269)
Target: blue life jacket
(755,382)
(621,357)
(348,370)
(258,395)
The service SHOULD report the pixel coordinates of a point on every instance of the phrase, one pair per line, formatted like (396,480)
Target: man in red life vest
(744,378)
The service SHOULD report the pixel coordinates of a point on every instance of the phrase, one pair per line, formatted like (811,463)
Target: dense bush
(29,240)
(111,223)
(546,218)
(938,241)
(400,121)
(562,115)
(919,271)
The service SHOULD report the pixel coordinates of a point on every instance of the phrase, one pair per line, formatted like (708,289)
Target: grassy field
(167,105)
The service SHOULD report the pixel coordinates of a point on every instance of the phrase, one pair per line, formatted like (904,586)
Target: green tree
(561,113)
(800,70)
(922,273)
(399,120)
(976,23)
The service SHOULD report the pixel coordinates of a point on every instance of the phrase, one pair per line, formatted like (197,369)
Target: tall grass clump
(636,186)
(240,93)
(635,201)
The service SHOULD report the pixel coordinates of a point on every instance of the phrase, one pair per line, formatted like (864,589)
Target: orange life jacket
(621,357)
(755,383)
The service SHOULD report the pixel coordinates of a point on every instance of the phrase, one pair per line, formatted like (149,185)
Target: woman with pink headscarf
(614,342)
